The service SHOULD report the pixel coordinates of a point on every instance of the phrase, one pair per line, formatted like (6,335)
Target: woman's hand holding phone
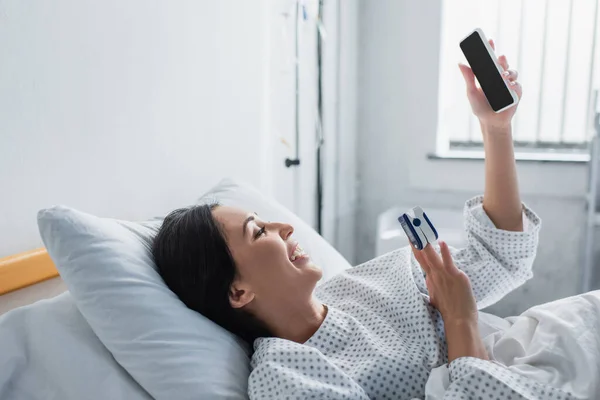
(479,104)
(501,199)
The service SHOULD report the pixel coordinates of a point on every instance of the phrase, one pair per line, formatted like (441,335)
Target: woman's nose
(286,231)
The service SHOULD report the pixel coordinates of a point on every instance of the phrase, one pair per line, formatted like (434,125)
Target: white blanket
(48,351)
(557,344)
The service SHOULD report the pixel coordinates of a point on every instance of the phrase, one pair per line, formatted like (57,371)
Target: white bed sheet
(28,295)
(557,344)
(48,351)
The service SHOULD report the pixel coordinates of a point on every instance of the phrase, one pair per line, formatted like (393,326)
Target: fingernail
(505,73)
(513,83)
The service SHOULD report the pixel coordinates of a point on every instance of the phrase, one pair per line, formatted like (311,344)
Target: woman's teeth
(298,253)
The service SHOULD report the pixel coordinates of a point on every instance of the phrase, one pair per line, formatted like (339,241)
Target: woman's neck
(299,322)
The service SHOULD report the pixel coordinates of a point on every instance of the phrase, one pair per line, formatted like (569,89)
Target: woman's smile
(298,255)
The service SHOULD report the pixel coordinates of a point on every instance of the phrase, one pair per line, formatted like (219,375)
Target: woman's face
(271,266)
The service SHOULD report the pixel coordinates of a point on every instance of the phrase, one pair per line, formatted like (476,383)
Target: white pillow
(171,351)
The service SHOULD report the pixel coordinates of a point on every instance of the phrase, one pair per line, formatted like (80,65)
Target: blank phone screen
(485,70)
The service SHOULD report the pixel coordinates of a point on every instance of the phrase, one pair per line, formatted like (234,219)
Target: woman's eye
(260,232)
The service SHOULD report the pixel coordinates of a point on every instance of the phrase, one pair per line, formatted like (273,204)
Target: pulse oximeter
(418,228)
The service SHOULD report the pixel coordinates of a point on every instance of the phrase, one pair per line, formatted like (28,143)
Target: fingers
(447,257)
(432,257)
(502,59)
(421,260)
(510,74)
(516,86)
(503,62)
(469,76)
(430,261)
(430,253)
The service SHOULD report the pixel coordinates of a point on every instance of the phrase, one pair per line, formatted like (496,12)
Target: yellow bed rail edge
(25,269)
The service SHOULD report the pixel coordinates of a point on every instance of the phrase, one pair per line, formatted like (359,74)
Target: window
(554,46)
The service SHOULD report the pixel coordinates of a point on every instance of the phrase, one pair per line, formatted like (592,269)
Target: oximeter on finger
(418,228)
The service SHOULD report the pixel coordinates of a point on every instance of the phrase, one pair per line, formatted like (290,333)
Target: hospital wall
(398,86)
(130,109)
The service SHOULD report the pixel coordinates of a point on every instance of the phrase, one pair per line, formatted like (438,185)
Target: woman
(384,329)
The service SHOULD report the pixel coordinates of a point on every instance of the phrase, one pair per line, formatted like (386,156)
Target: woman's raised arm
(501,200)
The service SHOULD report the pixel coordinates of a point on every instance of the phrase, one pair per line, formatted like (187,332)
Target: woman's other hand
(479,104)
(450,292)
(449,288)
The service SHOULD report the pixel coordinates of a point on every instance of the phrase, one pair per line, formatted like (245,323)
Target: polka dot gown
(381,338)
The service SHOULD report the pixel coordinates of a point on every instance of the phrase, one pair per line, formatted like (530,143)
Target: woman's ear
(240,295)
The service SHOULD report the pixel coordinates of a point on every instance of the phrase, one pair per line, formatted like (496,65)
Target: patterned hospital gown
(381,338)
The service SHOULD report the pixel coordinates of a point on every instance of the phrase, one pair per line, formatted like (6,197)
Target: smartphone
(487,70)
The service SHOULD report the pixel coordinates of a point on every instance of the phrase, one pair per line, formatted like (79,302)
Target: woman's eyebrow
(250,218)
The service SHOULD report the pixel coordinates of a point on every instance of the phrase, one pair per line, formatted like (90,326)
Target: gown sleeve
(476,378)
(496,261)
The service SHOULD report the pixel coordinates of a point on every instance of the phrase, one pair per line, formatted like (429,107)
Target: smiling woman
(245,274)
(275,279)
(194,260)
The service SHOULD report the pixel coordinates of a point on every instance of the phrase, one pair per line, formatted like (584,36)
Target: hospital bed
(47,349)
(118,332)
